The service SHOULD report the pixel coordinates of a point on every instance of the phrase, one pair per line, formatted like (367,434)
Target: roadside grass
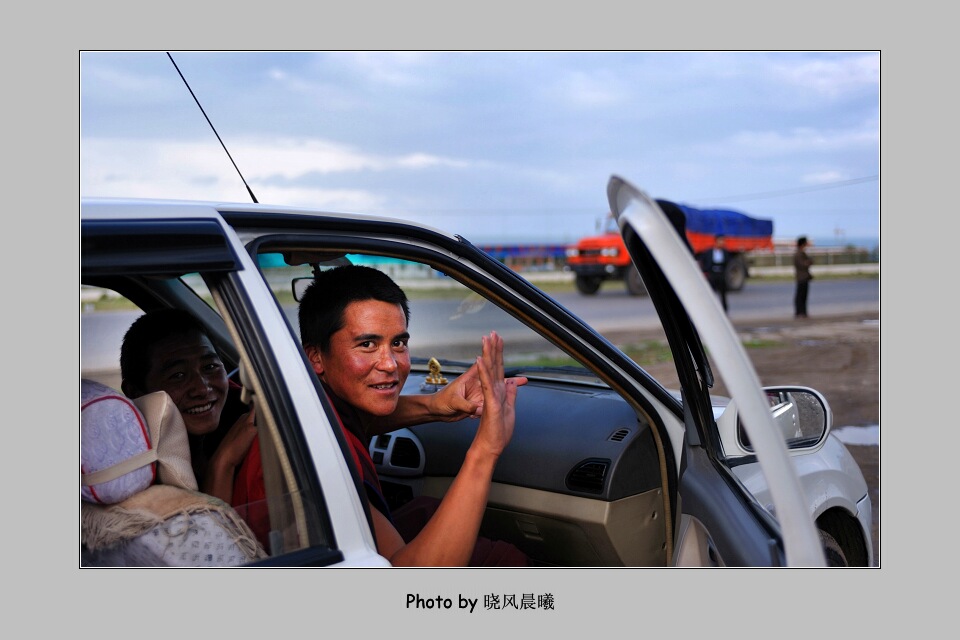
(819,276)
(109,302)
(760,343)
(644,354)
(648,352)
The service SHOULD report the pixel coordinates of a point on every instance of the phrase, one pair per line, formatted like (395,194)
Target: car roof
(145,208)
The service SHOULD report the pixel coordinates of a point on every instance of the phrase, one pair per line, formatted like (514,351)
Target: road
(612,310)
(613,307)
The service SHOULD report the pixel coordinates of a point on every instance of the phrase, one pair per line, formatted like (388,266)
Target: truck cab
(596,259)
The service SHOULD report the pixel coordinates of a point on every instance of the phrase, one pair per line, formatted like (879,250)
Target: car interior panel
(593,498)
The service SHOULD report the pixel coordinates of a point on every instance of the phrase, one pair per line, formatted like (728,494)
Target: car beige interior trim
(123,467)
(278,477)
(573,531)
(695,547)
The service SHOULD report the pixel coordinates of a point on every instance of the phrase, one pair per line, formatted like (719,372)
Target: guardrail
(428,278)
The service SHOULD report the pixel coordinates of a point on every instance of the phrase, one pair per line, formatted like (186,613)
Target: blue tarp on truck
(726,222)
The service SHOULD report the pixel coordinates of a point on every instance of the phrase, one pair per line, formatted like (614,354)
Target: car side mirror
(801,414)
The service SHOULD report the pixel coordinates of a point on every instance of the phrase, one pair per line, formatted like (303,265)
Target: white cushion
(168,433)
(116,459)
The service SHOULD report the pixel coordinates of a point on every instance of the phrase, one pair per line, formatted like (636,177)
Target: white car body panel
(829,475)
(829,478)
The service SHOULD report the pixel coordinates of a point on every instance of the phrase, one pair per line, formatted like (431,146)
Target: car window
(577,440)
(104,317)
(447,319)
(283,511)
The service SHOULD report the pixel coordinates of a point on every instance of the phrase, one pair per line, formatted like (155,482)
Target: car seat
(139,500)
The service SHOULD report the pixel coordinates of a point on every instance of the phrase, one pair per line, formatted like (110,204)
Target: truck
(596,259)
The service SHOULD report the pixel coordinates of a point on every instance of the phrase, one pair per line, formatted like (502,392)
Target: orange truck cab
(595,259)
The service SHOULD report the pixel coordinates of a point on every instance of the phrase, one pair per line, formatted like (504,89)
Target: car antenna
(249,190)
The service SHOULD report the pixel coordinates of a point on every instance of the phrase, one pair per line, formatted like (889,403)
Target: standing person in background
(713,263)
(801,262)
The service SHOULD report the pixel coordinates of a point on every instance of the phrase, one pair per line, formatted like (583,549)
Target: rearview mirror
(299,285)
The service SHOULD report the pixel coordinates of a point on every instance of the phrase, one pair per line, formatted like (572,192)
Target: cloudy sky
(496,146)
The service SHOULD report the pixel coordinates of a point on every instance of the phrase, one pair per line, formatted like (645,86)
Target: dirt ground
(838,356)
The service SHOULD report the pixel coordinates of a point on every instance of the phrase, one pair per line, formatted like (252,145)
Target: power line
(788,192)
(578,211)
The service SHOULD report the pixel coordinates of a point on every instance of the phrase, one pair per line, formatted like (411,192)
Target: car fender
(829,478)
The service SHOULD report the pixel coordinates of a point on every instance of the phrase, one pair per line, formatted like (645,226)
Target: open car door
(654,236)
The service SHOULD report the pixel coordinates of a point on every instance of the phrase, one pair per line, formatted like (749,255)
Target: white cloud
(122,83)
(426,160)
(200,170)
(292,158)
(586,90)
(835,76)
(824,177)
(469,131)
(185,172)
(760,144)
(340,200)
(398,68)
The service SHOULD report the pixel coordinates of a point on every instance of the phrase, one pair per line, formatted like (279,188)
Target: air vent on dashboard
(588,476)
(405,454)
(619,435)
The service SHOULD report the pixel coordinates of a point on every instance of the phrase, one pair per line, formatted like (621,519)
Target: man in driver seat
(353,326)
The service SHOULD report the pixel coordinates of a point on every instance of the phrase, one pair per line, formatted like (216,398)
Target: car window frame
(514,295)
(228,282)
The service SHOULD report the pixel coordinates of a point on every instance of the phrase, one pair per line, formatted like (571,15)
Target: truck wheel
(736,273)
(588,285)
(635,286)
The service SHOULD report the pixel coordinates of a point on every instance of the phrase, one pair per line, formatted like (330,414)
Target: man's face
(188,368)
(368,360)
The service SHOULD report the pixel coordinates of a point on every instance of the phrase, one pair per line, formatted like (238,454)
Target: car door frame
(741,541)
(688,309)
(155,239)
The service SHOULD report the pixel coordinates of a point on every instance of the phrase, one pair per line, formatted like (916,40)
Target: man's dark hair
(802,241)
(326,299)
(145,332)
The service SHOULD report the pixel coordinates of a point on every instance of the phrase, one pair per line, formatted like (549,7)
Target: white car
(606,467)
(832,482)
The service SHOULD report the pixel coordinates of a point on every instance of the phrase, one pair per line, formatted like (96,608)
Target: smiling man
(168,350)
(363,358)
(353,327)
(183,363)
